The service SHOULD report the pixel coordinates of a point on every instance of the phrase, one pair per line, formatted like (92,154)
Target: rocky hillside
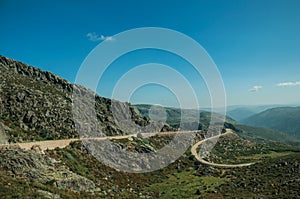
(37,105)
(36,166)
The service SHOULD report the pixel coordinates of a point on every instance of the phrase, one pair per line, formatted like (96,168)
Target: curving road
(195,147)
(52,144)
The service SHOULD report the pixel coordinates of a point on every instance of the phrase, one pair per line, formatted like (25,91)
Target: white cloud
(286,84)
(255,88)
(92,36)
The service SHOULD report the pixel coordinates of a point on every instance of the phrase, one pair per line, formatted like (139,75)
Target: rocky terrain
(37,105)
(37,167)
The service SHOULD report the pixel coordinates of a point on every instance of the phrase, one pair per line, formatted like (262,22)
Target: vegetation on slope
(184,118)
(231,149)
(285,119)
(260,134)
(276,173)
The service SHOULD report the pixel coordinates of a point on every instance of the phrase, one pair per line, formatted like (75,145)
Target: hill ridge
(31,71)
(285,119)
(37,105)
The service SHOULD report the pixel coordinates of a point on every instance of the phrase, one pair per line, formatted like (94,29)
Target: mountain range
(284,119)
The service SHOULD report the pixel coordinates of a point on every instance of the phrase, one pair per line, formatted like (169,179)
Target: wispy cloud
(255,88)
(286,84)
(92,36)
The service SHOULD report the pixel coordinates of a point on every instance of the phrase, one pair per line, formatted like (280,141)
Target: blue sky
(254,43)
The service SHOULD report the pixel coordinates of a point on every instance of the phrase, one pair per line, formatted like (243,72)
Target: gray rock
(38,167)
(33,101)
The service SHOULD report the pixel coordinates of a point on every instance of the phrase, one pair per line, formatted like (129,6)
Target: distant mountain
(260,134)
(174,116)
(257,134)
(285,119)
(241,112)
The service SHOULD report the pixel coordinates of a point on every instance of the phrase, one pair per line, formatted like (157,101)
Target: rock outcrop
(38,105)
(38,167)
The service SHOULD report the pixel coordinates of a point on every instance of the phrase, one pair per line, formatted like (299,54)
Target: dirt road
(52,144)
(195,147)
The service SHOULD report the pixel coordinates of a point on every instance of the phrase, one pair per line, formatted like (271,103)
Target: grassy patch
(262,156)
(186,185)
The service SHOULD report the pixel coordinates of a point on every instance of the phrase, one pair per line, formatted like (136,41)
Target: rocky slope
(40,168)
(37,105)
